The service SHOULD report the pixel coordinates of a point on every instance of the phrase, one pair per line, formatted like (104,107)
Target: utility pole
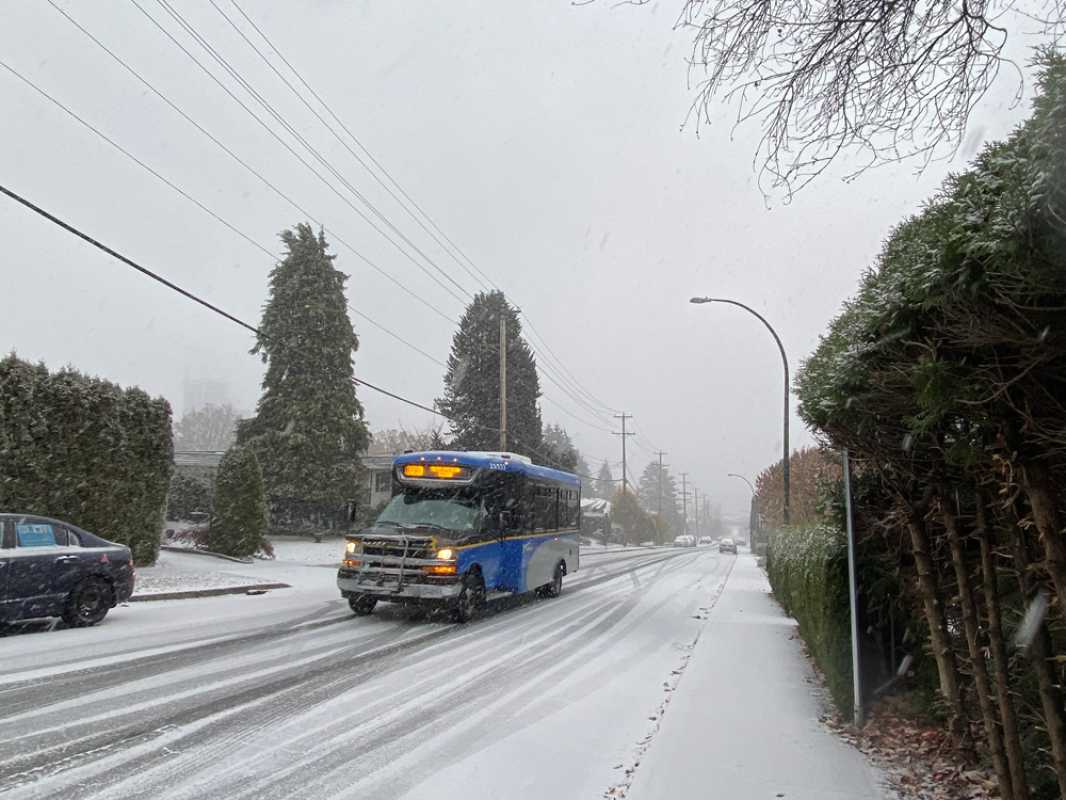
(625,474)
(659,524)
(503,381)
(696,514)
(684,501)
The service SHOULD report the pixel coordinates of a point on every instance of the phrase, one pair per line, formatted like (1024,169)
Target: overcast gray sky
(545,139)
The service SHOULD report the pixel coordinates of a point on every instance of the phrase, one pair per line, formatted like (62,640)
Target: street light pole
(784,360)
(753,516)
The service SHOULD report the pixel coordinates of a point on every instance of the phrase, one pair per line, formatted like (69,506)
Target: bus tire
(361,605)
(471,598)
(555,588)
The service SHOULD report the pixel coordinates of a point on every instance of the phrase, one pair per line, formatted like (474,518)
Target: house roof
(594,505)
(212,458)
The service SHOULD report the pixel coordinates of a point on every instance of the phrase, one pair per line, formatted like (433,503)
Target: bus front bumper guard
(393,589)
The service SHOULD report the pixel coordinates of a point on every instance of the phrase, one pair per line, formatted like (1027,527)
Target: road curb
(191,551)
(188,595)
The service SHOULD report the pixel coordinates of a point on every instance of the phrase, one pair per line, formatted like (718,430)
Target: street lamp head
(701,300)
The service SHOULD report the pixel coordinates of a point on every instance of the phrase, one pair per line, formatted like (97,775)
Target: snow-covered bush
(85,450)
(808,571)
(239,523)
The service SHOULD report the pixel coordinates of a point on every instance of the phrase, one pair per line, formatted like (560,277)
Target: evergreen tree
(648,487)
(186,495)
(472,383)
(308,430)
(559,451)
(637,526)
(648,494)
(240,519)
(604,485)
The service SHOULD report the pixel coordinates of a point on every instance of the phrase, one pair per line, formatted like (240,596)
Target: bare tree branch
(884,80)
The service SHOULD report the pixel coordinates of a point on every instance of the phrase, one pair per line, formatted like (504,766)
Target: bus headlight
(445,554)
(353,547)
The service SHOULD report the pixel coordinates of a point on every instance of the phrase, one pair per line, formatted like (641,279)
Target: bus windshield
(439,509)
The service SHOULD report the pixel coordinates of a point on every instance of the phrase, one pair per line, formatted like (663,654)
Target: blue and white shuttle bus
(461,526)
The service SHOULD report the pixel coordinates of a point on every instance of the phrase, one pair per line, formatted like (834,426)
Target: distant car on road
(684,540)
(727,546)
(705,540)
(50,568)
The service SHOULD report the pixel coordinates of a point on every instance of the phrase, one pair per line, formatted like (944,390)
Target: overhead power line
(127,261)
(569,376)
(214,215)
(248,167)
(221,220)
(362,147)
(325,181)
(155,276)
(564,379)
(86,124)
(481,280)
(318,156)
(558,375)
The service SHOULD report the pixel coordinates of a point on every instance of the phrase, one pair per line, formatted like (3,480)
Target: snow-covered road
(288,695)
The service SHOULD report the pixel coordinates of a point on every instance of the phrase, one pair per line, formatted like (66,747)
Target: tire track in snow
(116,738)
(517,710)
(226,740)
(367,721)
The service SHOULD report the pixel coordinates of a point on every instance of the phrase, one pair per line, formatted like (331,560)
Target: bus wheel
(555,588)
(471,598)
(362,605)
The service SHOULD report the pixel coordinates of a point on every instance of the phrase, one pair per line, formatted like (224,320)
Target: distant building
(378,479)
(200,464)
(203,464)
(595,516)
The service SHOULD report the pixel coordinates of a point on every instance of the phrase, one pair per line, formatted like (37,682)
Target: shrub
(808,571)
(85,450)
(240,519)
(186,495)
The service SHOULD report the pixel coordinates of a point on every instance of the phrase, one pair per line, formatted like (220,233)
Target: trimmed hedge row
(85,450)
(808,571)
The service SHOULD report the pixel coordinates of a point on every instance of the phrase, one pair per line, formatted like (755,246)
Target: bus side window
(543,508)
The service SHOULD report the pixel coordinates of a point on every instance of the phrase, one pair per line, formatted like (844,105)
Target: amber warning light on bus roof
(433,471)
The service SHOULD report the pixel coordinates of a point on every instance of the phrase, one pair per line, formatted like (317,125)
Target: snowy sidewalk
(744,720)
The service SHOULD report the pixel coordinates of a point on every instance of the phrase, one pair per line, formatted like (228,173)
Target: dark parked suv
(50,568)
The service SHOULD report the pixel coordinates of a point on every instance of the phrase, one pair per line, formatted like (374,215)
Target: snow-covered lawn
(307,551)
(177,572)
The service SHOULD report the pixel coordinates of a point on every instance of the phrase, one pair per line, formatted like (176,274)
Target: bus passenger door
(509,577)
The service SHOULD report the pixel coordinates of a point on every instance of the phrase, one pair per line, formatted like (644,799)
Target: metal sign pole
(853,597)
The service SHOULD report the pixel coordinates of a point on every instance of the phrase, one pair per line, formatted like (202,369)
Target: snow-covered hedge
(239,523)
(85,450)
(808,570)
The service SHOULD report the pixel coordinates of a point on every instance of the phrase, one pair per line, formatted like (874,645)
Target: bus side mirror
(353,510)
